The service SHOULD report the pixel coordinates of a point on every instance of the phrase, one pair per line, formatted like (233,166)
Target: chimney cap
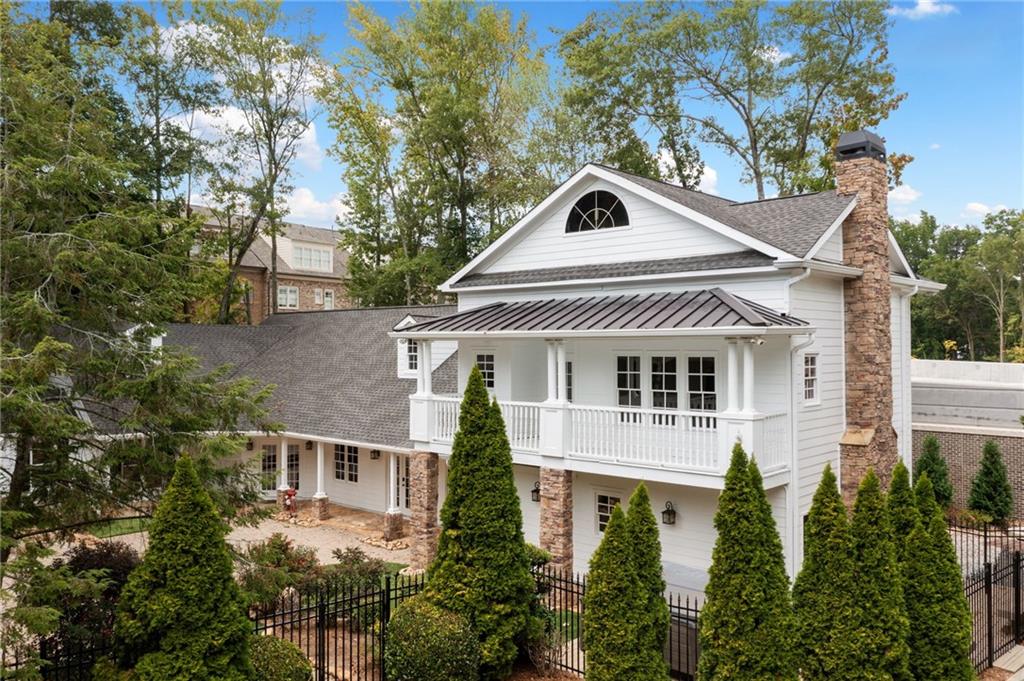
(860,144)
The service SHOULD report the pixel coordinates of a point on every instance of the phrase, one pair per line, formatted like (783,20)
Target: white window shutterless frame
(328,299)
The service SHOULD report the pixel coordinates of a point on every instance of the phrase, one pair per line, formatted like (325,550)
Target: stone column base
(392,526)
(556,516)
(861,449)
(280,499)
(423,471)
(320,508)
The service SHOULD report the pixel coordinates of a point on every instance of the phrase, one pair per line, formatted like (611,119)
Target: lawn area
(118,526)
(567,623)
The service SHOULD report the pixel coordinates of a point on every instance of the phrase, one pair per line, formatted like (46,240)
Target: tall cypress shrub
(940,617)
(481,570)
(934,466)
(181,615)
(645,552)
(747,628)
(614,606)
(991,493)
(902,506)
(822,601)
(876,586)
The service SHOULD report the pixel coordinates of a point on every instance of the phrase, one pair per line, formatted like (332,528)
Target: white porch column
(282,465)
(552,370)
(732,369)
(748,377)
(563,380)
(393,518)
(426,366)
(320,489)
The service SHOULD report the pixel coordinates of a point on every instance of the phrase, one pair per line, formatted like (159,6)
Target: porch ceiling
(705,310)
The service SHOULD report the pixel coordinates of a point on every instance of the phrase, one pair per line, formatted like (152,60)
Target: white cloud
(708,180)
(303,206)
(922,9)
(934,146)
(904,195)
(975,209)
(773,54)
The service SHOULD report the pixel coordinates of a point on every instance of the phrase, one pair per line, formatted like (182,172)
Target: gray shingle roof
(700,309)
(624,269)
(335,371)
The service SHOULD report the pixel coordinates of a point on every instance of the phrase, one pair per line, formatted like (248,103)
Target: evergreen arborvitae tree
(747,629)
(181,615)
(876,587)
(616,618)
(940,617)
(822,602)
(991,493)
(902,506)
(934,466)
(645,550)
(482,570)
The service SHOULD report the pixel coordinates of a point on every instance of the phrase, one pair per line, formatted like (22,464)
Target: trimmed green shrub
(181,615)
(482,570)
(991,493)
(902,507)
(273,565)
(615,620)
(428,643)
(537,556)
(747,629)
(822,602)
(940,617)
(876,587)
(645,552)
(276,659)
(934,466)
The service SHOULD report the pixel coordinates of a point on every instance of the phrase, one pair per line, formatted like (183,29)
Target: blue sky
(961,63)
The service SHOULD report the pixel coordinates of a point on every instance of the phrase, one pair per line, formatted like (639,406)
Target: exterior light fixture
(668,516)
(309,445)
(374,454)
(249,445)
(535,492)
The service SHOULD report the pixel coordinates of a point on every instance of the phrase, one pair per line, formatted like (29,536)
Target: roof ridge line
(664,182)
(748,313)
(779,198)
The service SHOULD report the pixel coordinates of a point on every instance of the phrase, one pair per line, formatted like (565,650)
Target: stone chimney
(869,440)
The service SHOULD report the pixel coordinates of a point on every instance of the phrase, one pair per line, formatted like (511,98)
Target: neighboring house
(964,404)
(634,330)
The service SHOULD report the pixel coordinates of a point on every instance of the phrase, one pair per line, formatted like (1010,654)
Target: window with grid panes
(339,462)
(700,383)
(485,363)
(268,467)
(605,505)
(811,378)
(352,458)
(293,466)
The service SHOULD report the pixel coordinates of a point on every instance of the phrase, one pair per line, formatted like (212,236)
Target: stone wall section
(423,493)
(962,452)
(556,516)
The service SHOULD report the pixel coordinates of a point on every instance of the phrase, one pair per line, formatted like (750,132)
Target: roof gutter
(822,267)
(612,333)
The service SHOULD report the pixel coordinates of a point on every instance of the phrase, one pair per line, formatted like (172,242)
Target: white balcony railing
(522,422)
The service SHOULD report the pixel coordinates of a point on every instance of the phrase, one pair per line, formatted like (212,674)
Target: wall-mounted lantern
(309,445)
(535,492)
(668,516)
(374,454)
(249,445)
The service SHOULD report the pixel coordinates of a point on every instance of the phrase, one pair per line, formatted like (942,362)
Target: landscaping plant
(934,466)
(822,602)
(181,615)
(991,493)
(902,506)
(937,608)
(269,567)
(879,616)
(747,628)
(276,659)
(429,643)
(482,568)
(645,552)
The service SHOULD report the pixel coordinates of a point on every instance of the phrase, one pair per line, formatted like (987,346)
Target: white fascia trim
(590,170)
(325,439)
(821,267)
(733,331)
(922,284)
(899,252)
(667,276)
(967,429)
(823,239)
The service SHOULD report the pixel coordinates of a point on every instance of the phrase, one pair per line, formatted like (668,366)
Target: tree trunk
(273,269)
(19,484)
(223,314)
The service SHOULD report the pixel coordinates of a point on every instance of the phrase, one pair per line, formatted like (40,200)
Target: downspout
(789,286)
(906,390)
(794,469)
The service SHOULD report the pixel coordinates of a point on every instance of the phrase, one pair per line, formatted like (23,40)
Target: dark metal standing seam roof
(700,309)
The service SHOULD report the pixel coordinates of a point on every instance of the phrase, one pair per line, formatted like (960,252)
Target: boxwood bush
(426,643)
(276,659)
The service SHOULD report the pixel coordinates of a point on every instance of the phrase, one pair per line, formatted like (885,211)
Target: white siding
(900,389)
(819,300)
(833,248)
(525,478)
(654,232)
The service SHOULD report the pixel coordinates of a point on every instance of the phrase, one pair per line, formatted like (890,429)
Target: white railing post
(748,377)
(321,490)
(426,367)
(732,377)
(552,371)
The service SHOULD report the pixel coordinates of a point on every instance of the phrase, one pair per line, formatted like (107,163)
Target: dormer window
(312,258)
(596,210)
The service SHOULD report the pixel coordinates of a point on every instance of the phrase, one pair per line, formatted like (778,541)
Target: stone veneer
(320,508)
(423,490)
(556,516)
(392,525)
(869,441)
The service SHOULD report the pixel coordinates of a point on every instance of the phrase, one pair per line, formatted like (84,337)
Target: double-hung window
(412,355)
(701,390)
(288,297)
(339,462)
(627,386)
(293,466)
(485,363)
(811,388)
(268,468)
(346,463)
(664,387)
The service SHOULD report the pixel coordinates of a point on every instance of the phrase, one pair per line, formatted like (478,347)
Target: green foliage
(428,643)
(482,569)
(937,608)
(537,556)
(991,492)
(747,629)
(181,615)
(934,466)
(876,587)
(644,544)
(273,565)
(822,601)
(276,659)
(902,507)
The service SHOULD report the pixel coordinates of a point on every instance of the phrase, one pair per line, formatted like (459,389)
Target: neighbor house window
(318,296)
(352,461)
(328,299)
(412,355)
(288,297)
(811,378)
(700,383)
(309,258)
(268,468)
(293,466)
(605,505)
(485,363)
(596,210)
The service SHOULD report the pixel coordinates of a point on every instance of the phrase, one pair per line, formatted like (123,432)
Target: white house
(635,330)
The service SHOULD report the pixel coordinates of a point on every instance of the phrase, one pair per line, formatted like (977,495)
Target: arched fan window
(596,210)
